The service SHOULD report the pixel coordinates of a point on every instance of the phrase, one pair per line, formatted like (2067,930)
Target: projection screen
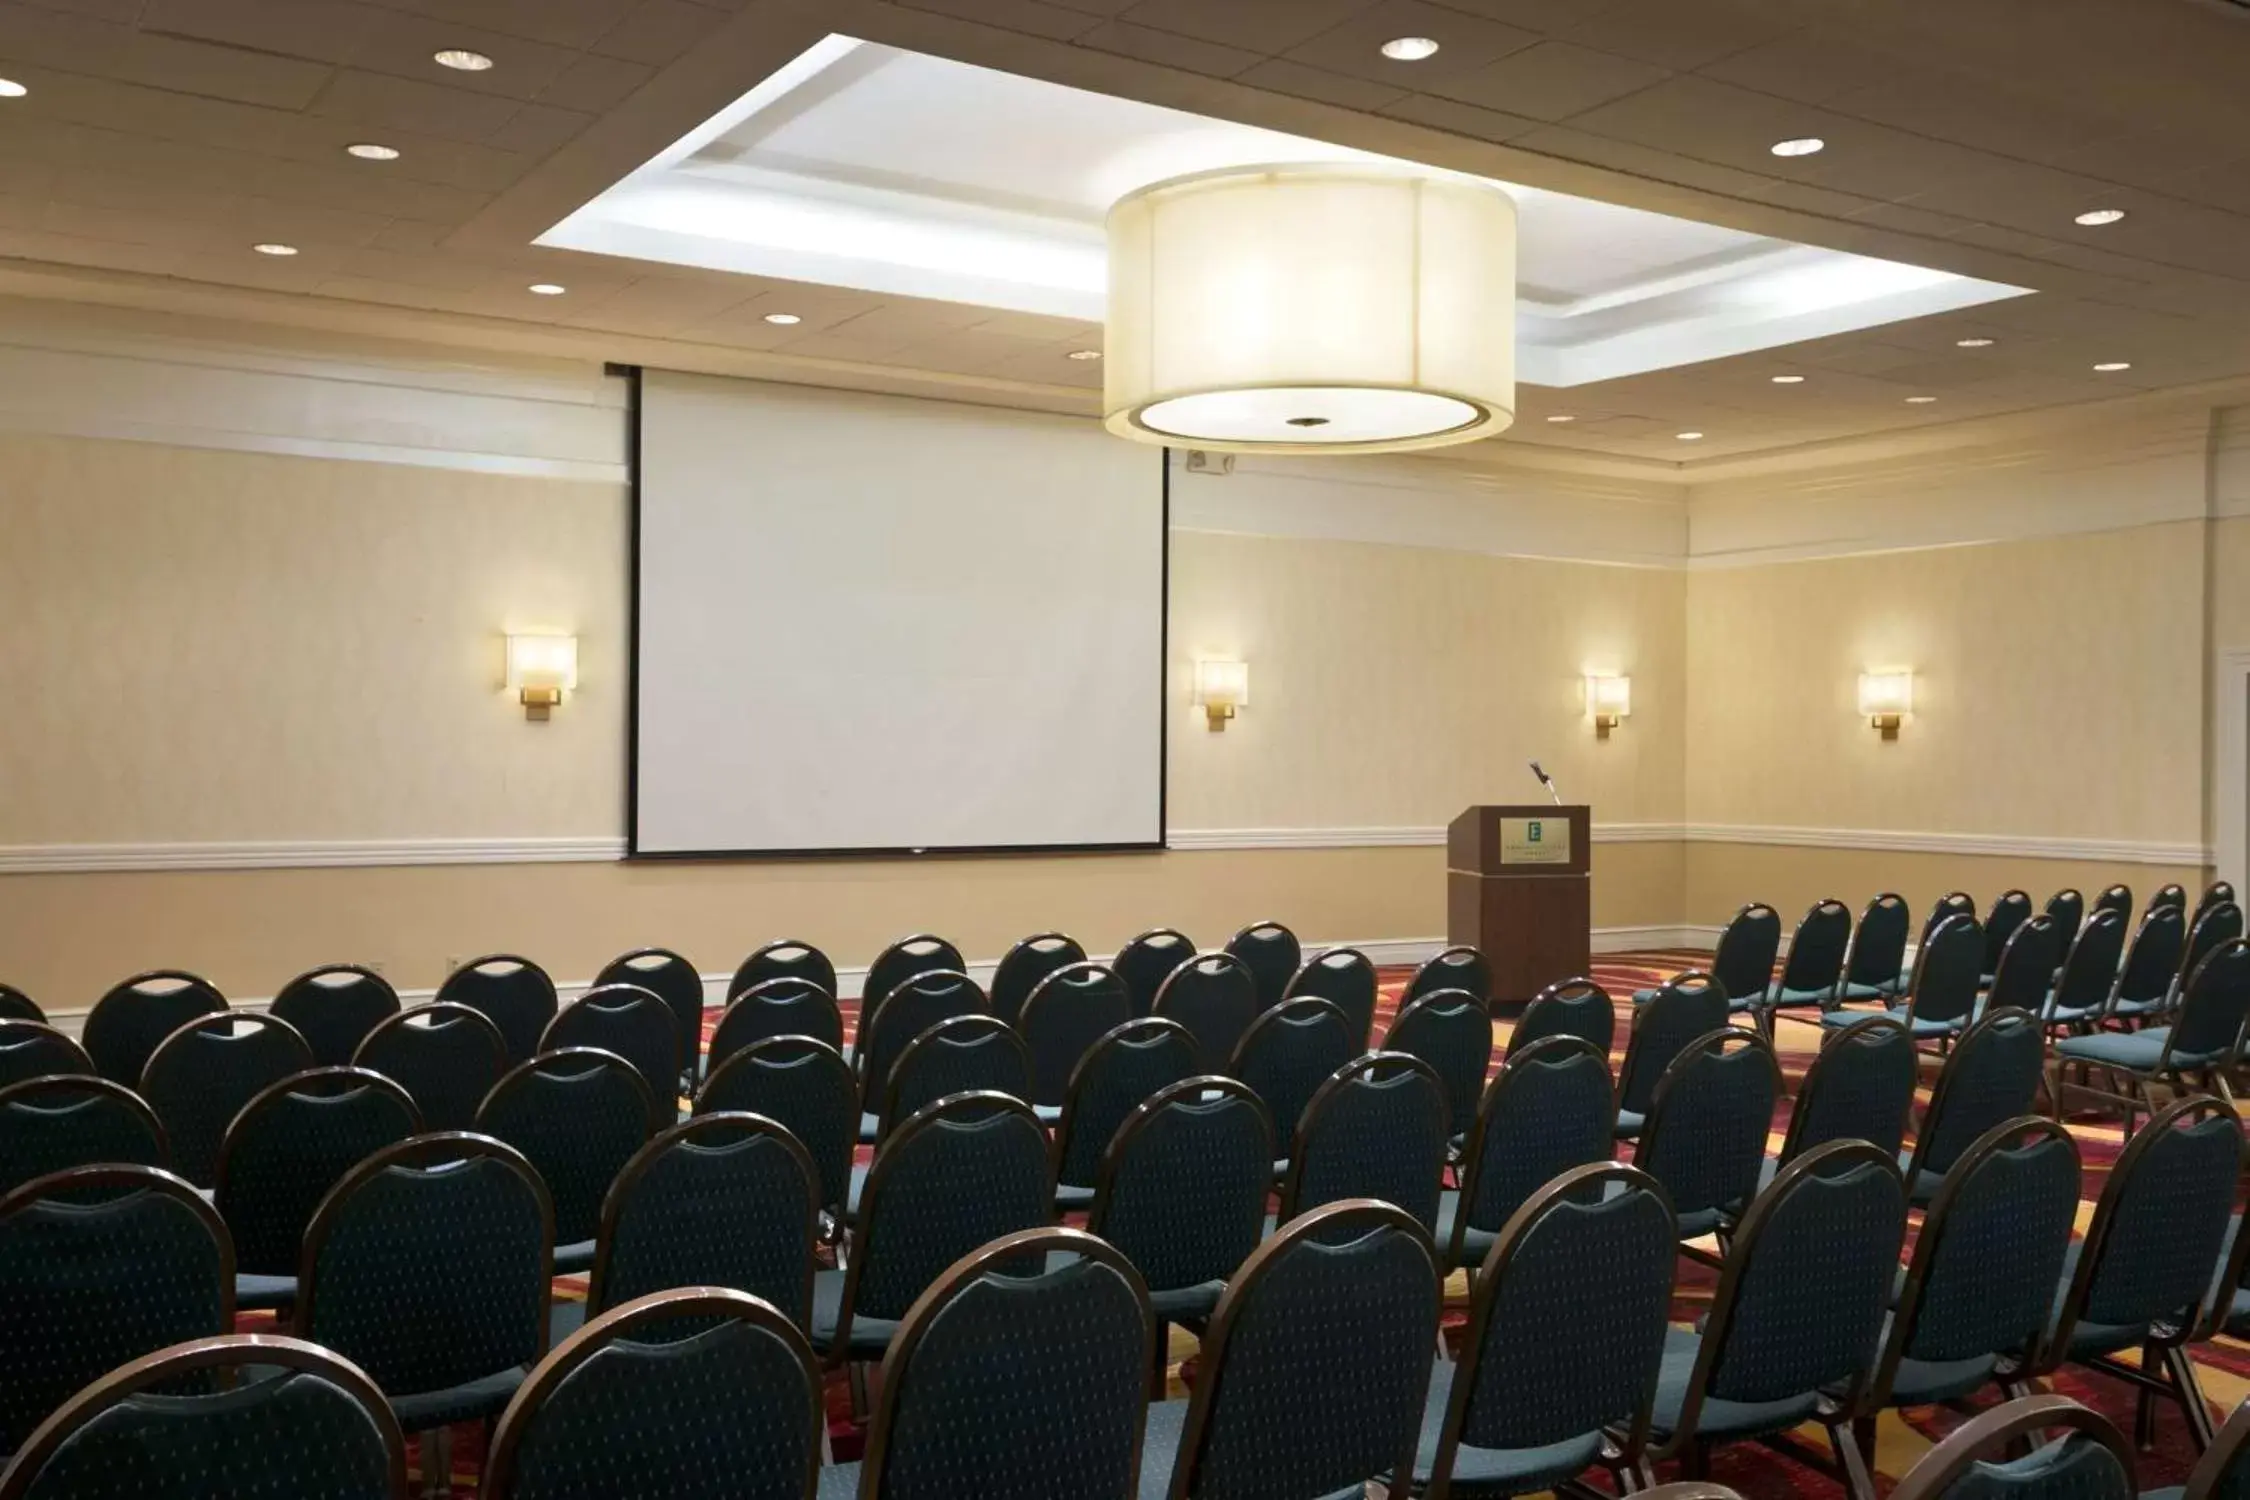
(874,624)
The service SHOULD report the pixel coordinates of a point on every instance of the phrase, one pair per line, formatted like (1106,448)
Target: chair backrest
(333,1008)
(447,1057)
(86,1286)
(2152,963)
(2009,911)
(1568,1007)
(511,992)
(1976,1462)
(1451,1030)
(1860,1088)
(1025,964)
(1377,1129)
(1981,1284)
(2221,923)
(1345,978)
(1288,1053)
(1951,904)
(429,1265)
(957,1175)
(1706,1134)
(2160,1224)
(2116,898)
(2026,975)
(2220,1473)
(956,1056)
(1315,1364)
(804,1084)
(2068,907)
(1991,1077)
(1685,1007)
(1567,1320)
(922,953)
(74,1120)
(2217,893)
(2173,896)
(577,1115)
(1215,997)
(15,1005)
(293,1142)
(1948,972)
(1183,1183)
(1147,960)
(732,1411)
(1547,1111)
(2089,974)
(1743,964)
(1069,1346)
(236,1414)
(1878,951)
(1127,1065)
(1456,968)
(2214,1008)
(1807,1282)
(783,1006)
(200,1076)
(135,1014)
(1066,1013)
(33,1049)
(1271,952)
(638,1026)
(912,1007)
(724,1200)
(783,958)
(1819,949)
(672,979)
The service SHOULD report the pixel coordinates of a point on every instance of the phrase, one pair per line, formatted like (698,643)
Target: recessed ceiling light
(1804,145)
(1974,343)
(10,89)
(2111,366)
(462,60)
(2094,218)
(1562,417)
(370,151)
(1920,400)
(272,248)
(784,319)
(1789,380)
(546,289)
(1690,437)
(1409,48)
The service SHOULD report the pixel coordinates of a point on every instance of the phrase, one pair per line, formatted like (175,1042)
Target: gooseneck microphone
(1546,781)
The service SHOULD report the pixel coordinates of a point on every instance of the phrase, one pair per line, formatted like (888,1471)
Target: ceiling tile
(596,84)
(1672,35)
(377,99)
(1169,49)
(538,129)
(1460,119)
(1813,66)
(1059,22)
(322,30)
(403,45)
(658,31)
(564,23)
(1551,81)
(1281,76)
(1267,27)
(1465,44)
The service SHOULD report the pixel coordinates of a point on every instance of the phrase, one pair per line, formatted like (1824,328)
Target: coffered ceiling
(159,140)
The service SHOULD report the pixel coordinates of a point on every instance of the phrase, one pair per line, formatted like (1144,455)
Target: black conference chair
(782,1006)
(99,1266)
(33,1049)
(15,1005)
(635,1024)
(2090,1461)
(783,958)
(1451,1030)
(1057,1320)
(1455,968)
(2089,975)
(200,1076)
(1705,1139)
(1744,960)
(2173,896)
(959,1174)
(282,1154)
(2221,924)
(428,1267)
(907,1010)
(908,958)
(125,1025)
(1563,1344)
(725,1200)
(447,1057)
(1568,1007)
(1182,1192)
(1314,1367)
(1875,967)
(1065,1014)
(578,1116)
(2144,988)
(1345,979)
(1942,996)
(216,1418)
(1216,998)
(65,1120)
(2204,1039)
(628,1406)
(676,982)
(1146,961)
(2028,961)
(2217,893)
(1992,1076)
(1860,1088)
(1272,953)
(1377,1129)
(1792,1331)
(1288,1053)
(2116,898)
(2068,907)
(1812,976)
(1129,1064)
(333,1008)
(2010,910)
(1688,1006)
(2222,1467)
(1951,904)
(956,1056)
(807,1088)
(511,992)
(1547,1111)
(1025,964)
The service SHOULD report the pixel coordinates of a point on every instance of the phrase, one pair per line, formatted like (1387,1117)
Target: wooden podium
(1517,890)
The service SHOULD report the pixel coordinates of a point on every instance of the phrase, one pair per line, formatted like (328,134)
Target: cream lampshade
(1311,309)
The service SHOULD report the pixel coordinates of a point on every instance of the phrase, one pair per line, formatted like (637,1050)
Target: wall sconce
(541,668)
(1609,702)
(1221,687)
(1886,698)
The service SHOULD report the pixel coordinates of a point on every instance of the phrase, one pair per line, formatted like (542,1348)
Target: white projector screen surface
(871,623)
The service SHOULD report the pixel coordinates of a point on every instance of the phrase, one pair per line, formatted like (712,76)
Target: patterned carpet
(1756,1471)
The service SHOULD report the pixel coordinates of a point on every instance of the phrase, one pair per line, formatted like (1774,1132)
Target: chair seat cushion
(1191,1305)
(870,1130)
(1071,1196)
(1496,1471)
(870,1336)
(852,1193)
(1642,997)
(472,1401)
(253,1291)
(1887,991)
(575,1258)
(1782,997)
(1719,1419)
(1629,1125)
(565,1316)
(1050,1115)
(2139,1050)
(2149,1007)
(838,1482)
(1160,1446)
(2088,1339)
(1475,1243)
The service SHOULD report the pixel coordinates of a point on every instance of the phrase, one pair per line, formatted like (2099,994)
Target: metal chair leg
(2144,1400)
(2181,1366)
(437,1463)
(1855,1447)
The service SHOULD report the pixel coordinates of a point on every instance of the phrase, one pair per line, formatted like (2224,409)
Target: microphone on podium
(1546,781)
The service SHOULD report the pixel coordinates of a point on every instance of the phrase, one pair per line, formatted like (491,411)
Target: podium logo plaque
(1535,841)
